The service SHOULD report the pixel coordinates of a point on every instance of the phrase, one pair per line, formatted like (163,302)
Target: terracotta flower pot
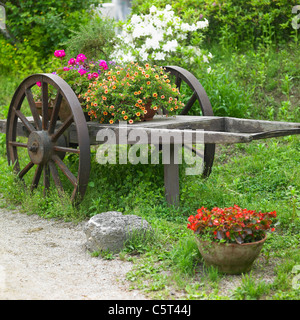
(150,112)
(64,111)
(230,258)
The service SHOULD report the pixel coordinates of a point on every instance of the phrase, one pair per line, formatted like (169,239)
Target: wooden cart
(48,139)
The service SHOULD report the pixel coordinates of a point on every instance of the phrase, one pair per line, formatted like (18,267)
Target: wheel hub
(40,147)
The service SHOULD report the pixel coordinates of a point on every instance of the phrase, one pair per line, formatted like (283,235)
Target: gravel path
(46,260)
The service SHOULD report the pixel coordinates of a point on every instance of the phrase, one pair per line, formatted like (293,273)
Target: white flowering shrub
(161,37)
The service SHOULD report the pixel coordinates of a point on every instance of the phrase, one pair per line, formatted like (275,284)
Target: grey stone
(109,230)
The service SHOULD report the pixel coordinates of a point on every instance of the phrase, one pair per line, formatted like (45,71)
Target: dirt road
(46,260)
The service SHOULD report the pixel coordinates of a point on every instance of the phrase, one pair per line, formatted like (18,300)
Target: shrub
(44,23)
(96,39)
(236,23)
(161,37)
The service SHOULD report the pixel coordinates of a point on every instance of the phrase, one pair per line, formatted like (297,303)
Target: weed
(250,289)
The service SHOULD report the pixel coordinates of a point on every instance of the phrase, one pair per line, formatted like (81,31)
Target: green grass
(262,175)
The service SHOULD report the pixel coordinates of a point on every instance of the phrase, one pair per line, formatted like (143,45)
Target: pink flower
(80,58)
(95,75)
(103,64)
(60,53)
(90,76)
(39,84)
(82,71)
(66,69)
(72,61)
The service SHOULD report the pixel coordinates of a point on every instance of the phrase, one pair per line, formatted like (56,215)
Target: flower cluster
(79,72)
(157,36)
(233,224)
(59,53)
(125,92)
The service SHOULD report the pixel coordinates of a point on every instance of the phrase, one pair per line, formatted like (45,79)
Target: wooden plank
(275,133)
(218,130)
(255,126)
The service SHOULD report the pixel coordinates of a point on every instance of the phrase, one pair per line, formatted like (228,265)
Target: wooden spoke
(46,177)
(55,112)
(37,176)
(178,82)
(18,144)
(64,149)
(55,175)
(63,128)
(45,106)
(189,104)
(26,123)
(33,109)
(65,169)
(25,170)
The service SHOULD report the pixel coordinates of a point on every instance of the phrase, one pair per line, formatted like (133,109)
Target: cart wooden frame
(49,139)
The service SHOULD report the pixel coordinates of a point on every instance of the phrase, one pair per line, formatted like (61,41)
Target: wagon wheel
(198,94)
(48,140)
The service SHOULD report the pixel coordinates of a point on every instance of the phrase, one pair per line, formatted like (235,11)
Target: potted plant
(230,238)
(77,72)
(131,93)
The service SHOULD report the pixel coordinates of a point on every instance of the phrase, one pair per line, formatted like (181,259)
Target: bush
(44,24)
(96,39)
(234,22)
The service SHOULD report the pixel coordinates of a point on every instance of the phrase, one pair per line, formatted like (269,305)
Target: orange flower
(136,93)
(155,95)
(162,96)
(112,107)
(155,108)
(123,112)
(106,91)
(125,117)
(145,111)
(104,98)
(147,75)
(111,121)
(130,121)
(148,83)
(114,87)
(105,113)
(156,76)
(138,114)
(140,101)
